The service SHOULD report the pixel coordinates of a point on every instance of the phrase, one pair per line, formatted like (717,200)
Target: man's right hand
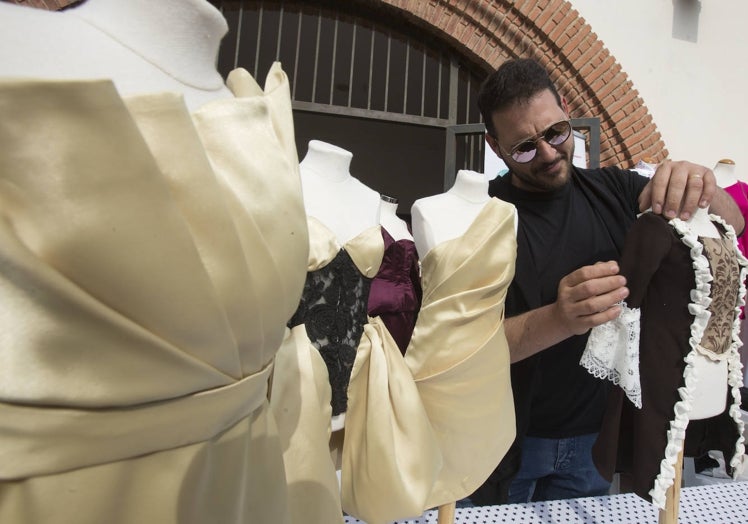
(589,296)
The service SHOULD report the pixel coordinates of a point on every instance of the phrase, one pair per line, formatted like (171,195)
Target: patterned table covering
(724,503)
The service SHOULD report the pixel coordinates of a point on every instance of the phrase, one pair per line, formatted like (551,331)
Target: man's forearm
(534,331)
(724,206)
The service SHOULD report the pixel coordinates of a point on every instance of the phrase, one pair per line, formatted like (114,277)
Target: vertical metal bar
(296,58)
(449,158)
(473,152)
(371,67)
(334,50)
(257,44)
(316,56)
(453,84)
(407,70)
(387,74)
(353,62)
(482,152)
(423,82)
(280,33)
(468,152)
(467,98)
(439,88)
(238,35)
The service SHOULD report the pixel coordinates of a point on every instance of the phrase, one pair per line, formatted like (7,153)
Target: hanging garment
(395,294)
(685,294)
(150,260)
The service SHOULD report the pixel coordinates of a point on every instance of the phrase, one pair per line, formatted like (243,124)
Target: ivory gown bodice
(150,260)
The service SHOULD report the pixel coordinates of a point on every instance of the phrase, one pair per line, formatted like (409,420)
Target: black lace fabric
(333,308)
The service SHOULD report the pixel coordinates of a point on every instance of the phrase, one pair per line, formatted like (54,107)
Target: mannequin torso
(395,226)
(341,202)
(724,171)
(142,46)
(443,217)
(333,196)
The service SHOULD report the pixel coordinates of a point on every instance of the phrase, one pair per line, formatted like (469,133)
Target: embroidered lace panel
(724,266)
(333,310)
(612,353)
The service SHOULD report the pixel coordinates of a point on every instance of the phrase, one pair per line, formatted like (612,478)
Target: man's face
(550,168)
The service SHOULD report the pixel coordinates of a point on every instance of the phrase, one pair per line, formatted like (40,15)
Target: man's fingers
(586,273)
(678,181)
(602,317)
(645,198)
(692,196)
(658,186)
(678,189)
(600,303)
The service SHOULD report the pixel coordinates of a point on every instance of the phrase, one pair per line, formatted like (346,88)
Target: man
(572,224)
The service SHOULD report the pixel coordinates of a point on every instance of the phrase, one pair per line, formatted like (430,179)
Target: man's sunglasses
(555,135)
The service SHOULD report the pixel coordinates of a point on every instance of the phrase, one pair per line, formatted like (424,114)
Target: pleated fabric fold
(437,446)
(145,283)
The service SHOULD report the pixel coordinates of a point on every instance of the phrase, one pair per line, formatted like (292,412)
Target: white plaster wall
(689,61)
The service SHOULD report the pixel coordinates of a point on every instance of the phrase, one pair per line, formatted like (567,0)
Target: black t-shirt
(582,223)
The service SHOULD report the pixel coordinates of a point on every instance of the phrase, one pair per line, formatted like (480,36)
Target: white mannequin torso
(337,199)
(443,217)
(141,45)
(710,391)
(333,196)
(724,172)
(393,224)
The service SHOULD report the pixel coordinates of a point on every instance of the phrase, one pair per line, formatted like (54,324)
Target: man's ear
(564,105)
(493,144)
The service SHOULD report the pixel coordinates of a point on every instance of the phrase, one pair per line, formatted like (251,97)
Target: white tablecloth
(725,503)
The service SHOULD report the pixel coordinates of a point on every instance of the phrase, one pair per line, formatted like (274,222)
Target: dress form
(710,392)
(725,173)
(443,217)
(142,46)
(395,226)
(332,195)
(145,171)
(341,202)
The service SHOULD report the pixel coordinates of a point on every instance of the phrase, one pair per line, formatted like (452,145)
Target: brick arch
(553,33)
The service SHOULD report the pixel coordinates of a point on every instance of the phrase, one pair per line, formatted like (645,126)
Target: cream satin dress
(420,430)
(149,260)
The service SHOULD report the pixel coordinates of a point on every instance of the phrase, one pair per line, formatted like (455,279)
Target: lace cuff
(612,353)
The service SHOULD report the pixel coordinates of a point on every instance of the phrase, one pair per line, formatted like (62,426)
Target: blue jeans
(555,469)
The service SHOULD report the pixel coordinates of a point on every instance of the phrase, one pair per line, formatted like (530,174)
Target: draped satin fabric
(149,260)
(395,294)
(429,428)
(300,394)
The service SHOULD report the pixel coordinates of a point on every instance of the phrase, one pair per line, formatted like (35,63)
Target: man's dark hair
(514,81)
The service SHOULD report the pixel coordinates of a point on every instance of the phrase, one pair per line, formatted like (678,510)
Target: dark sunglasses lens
(524,152)
(558,133)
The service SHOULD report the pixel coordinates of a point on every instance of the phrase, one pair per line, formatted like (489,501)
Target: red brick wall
(552,32)
(50,5)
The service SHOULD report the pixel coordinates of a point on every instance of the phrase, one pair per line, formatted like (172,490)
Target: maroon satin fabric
(395,294)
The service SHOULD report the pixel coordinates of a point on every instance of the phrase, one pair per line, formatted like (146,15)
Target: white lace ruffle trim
(612,353)
(701,299)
